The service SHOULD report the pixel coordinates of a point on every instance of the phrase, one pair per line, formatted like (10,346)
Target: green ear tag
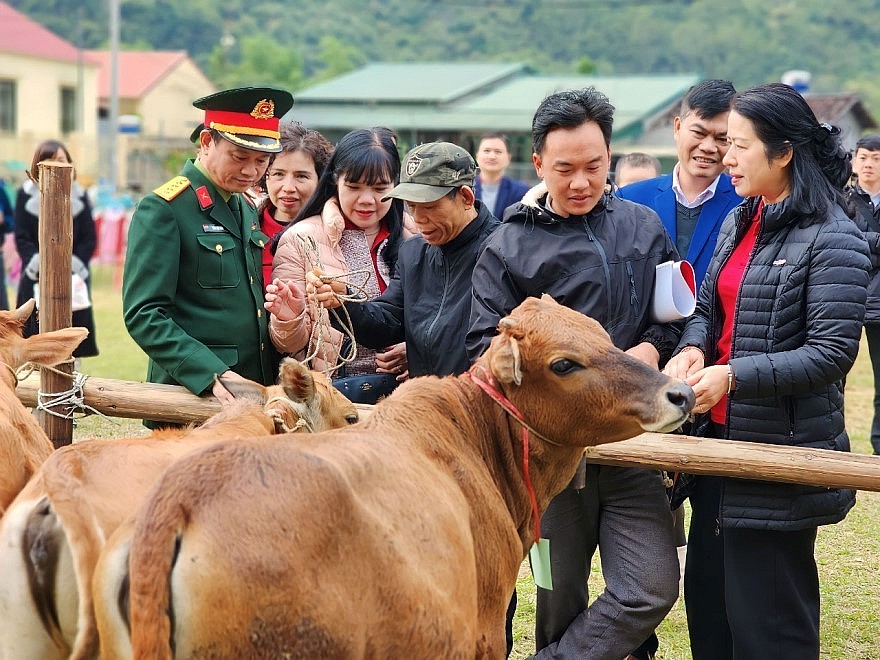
(539,558)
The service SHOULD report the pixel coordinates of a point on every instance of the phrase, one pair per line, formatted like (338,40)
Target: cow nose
(681,396)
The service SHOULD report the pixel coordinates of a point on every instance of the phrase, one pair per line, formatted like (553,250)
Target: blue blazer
(510,192)
(657,194)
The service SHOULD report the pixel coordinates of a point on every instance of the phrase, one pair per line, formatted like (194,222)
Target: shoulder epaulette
(171,189)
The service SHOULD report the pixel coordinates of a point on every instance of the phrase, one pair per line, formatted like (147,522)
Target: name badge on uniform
(214,229)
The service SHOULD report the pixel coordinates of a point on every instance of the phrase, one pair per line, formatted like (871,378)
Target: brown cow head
(572,385)
(47,348)
(302,400)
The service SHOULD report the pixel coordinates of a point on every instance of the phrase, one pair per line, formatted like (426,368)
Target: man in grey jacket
(597,254)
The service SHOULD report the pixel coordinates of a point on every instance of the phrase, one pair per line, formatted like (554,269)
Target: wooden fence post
(56,248)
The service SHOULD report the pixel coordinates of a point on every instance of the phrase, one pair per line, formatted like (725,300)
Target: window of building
(8,118)
(68,110)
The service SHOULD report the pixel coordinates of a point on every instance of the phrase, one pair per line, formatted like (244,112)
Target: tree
(255,60)
(337,58)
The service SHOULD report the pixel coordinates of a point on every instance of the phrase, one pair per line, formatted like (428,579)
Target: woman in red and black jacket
(776,329)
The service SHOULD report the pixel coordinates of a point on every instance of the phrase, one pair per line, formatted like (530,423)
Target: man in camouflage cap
(193,286)
(428,301)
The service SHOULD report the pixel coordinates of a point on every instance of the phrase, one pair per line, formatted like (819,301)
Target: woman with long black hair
(776,329)
(353,234)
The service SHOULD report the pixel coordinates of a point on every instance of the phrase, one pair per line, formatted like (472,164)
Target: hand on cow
(709,385)
(393,361)
(647,353)
(323,291)
(284,301)
(688,362)
(223,395)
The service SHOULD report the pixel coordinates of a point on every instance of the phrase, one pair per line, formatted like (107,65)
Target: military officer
(193,288)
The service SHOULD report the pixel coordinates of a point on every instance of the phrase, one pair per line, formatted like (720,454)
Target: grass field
(848,553)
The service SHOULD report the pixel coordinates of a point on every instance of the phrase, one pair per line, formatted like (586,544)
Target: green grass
(847,553)
(119,357)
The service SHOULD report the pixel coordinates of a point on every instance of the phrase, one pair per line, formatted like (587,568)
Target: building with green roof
(458,102)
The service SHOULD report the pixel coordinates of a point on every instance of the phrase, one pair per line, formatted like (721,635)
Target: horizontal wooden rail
(123,398)
(678,453)
(748,460)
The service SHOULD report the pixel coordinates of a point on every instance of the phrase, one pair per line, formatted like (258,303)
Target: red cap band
(241,122)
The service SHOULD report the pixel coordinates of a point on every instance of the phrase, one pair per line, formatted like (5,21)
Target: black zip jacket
(428,301)
(868,220)
(797,324)
(601,264)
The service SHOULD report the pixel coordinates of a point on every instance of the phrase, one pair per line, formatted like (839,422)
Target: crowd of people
(272,241)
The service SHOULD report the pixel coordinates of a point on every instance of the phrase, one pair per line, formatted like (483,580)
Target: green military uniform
(192,291)
(193,288)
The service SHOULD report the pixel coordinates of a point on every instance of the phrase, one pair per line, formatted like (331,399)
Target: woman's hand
(688,362)
(284,301)
(393,361)
(322,291)
(709,385)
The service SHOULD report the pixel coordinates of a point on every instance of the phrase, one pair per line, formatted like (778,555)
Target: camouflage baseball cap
(432,170)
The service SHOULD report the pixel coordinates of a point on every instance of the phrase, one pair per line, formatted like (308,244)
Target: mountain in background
(298,43)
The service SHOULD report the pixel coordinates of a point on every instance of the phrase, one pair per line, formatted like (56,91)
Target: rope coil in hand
(322,315)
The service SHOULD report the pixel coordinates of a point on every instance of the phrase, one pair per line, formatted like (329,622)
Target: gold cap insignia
(265,109)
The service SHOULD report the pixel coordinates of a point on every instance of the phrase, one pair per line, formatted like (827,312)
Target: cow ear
(505,361)
(48,348)
(24,312)
(244,389)
(296,380)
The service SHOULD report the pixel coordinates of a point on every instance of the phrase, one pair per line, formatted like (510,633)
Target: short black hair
(494,135)
(870,142)
(571,109)
(708,99)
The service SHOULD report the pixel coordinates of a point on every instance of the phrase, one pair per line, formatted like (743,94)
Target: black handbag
(367,388)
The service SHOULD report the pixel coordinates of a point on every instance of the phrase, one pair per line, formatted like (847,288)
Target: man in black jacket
(865,196)
(428,301)
(597,254)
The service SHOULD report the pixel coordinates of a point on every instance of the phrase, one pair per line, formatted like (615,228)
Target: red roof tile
(138,70)
(20,34)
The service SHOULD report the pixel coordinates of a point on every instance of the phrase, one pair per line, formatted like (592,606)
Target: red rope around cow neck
(488,386)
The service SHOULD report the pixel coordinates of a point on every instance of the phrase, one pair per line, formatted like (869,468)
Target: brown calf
(23,444)
(56,528)
(400,537)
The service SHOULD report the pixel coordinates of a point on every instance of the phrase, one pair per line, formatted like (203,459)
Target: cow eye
(564,366)
(351,419)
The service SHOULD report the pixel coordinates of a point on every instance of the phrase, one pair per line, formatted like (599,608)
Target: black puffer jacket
(868,220)
(601,264)
(428,301)
(796,334)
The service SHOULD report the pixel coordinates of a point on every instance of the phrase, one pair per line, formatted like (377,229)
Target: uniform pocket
(218,267)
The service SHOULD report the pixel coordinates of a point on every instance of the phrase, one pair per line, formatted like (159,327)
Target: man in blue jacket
(693,201)
(492,187)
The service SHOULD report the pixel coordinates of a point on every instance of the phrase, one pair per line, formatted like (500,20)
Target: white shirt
(700,199)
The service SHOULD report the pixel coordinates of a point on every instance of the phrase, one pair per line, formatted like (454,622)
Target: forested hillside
(296,42)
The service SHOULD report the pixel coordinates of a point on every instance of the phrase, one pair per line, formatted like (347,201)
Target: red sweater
(269,226)
(729,279)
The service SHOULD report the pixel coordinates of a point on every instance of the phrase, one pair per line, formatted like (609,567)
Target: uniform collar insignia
(204,197)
